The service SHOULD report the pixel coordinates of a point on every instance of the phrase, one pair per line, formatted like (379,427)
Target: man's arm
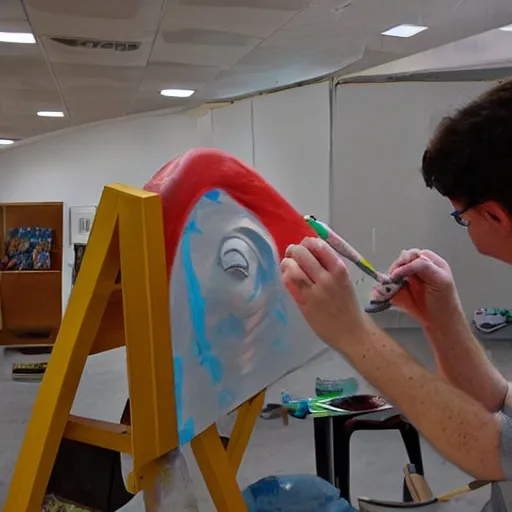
(462,361)
(457,425)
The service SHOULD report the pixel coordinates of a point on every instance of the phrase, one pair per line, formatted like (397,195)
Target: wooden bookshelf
(31,300)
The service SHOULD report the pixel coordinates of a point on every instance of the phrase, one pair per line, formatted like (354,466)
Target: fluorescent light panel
(6,142)
(50,113)
(17,37)
(177,93)
(404,30)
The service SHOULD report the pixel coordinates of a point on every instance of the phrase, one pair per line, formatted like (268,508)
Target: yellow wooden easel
(121,298)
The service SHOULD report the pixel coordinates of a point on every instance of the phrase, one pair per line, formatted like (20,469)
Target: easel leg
(58,388)
(218,473)
(247,415)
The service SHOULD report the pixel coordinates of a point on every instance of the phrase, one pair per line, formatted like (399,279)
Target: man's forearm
(456,424)
(463,362)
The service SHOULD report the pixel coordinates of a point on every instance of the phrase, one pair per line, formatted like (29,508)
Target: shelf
(30,304)
(3,272)
(31,307)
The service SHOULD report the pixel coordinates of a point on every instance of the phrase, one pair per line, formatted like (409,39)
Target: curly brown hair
(469,159)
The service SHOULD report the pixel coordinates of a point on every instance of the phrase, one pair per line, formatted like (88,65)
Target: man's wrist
(356,337)
(451,324)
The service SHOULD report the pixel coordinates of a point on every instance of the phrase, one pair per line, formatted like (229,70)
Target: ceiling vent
(95,44)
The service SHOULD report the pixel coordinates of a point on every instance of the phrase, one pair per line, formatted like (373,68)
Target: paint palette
(355,404)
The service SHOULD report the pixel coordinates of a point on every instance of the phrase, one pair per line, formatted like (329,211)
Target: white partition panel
(291,142)
(232,131)
(381,204)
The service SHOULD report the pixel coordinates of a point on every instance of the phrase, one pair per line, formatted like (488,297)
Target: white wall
(285,137)
(73,166)
(286,134)
(381,131)
(291,136)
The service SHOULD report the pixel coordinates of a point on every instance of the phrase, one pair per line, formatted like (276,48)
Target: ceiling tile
(12,10)
(19,126)
(90,104)
(92,96)
(370,59)
(314,16)
(268,68)
(62,54)
(327,36)
(25,73)
(453,26)
(133,20)
(127,9)
(158,76)
(332,5)
(279,5)
(146,102)
(242,20)
(220,48)
(375,16)
(98,112)
(199,55)
(24,102)
(207,37)
(94,77)
(15,25)
(21,50)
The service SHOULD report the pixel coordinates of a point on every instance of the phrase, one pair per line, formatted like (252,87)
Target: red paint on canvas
(184,180)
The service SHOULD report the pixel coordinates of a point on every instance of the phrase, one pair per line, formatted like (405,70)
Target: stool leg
(323,448)
(342,462)
(412,444)
(406,494)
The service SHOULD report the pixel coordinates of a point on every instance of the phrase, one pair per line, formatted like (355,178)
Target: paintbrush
(389,287)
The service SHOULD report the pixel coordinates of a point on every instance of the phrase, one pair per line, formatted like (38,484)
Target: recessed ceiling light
(6,142)
(50,113)
(17,37)
(507,28)
(177,93)
(404,30)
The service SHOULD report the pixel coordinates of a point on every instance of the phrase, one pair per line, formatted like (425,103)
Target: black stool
(332,444)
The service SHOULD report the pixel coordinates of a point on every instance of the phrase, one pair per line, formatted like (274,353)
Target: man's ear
(497,214)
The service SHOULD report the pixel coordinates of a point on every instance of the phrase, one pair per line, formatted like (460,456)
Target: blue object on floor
(294,493)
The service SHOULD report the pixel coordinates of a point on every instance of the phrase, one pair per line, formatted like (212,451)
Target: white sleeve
(505,417)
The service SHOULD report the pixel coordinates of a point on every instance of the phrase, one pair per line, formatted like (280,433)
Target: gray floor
(377,458)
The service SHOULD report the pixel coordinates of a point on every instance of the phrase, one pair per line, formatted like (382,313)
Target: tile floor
(377,458)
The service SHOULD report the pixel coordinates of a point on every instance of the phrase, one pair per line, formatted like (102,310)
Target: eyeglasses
(458,219)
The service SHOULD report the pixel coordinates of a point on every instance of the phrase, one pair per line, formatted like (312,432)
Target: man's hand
(432,299)
(318,280)
(431,296)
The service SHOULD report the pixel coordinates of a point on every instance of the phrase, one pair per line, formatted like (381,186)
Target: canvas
(235,329)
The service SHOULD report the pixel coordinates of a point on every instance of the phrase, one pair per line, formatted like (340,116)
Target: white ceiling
(221,48)
(486,51)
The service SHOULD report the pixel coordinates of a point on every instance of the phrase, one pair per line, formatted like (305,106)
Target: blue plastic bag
(294,493)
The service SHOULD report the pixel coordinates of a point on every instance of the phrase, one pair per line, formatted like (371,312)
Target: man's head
(469,161)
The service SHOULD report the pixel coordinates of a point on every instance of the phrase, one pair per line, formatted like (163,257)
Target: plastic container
(294,493)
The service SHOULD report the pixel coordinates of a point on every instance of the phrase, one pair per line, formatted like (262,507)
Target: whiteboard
(381,204)
(291,143)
